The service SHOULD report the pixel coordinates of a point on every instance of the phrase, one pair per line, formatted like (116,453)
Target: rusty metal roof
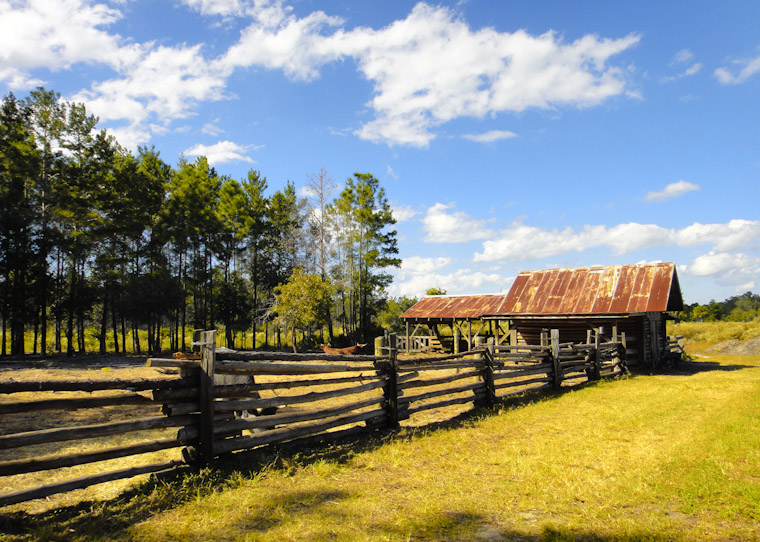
(448,307)
(617,289)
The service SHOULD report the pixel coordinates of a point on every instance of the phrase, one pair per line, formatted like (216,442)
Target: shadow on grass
(113,519)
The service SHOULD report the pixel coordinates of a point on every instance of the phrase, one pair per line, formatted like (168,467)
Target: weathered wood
(441,380)
(556,369)
(501,386)
(278,356)
(37,464)
(390,389)
(266,368)
(79,483)
(286,434)
(434,359)
(440,393)
(180,409)
(257,422)
(141,384)
(519,374)
(488,373)
(63,434)
(206,396)
(529,347)
(174,363)
(443,366)
(440,404)
(163,396)
(74,403)
(250,404)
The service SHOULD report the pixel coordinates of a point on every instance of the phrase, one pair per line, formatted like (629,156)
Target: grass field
(660,457)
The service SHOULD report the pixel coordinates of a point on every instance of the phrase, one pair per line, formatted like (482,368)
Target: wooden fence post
(557,381)
(391,387)
(597,355)
(488,357)
(208,360)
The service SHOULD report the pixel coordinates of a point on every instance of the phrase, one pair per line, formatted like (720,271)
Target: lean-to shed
(634,299)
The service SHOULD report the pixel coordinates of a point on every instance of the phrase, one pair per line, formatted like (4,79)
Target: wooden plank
(286,434)
(63,434)
(441,380)
(441,404)
(434,359)
(299,358)
(523,383)
(241,424)
(73,403)
(79,483)
(273,368)
(439,393)
(38,464)
(250,404)
(141,384)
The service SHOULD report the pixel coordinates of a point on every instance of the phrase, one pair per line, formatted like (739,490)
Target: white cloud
(418,265)
(212,129)
(427,69)
(489,137)
(390,172)
(430,67)
(684,55)
(671,191)
(402,213)
(445,226)
(735,269)
(223,8)
(748,68)
(55,34)
(523,242)
(221,152)
(462,281)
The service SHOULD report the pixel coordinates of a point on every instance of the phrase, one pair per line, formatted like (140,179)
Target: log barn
(633,299)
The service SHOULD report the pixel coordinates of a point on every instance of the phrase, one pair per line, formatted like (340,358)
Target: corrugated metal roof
(617,289)
(447,307)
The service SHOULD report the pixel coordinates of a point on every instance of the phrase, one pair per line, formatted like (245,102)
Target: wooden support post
(408,347)
(624,353)
(456,340)
(512,336)
(208,360)
(544,338)
(391,386)
(469,334)
(488,356)
(496,333)
(557,381)
(597,354)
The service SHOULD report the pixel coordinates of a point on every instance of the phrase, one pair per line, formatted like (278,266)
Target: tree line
(738,308)
(96,240)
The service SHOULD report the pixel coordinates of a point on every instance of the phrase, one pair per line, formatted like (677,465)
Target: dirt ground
(735,347)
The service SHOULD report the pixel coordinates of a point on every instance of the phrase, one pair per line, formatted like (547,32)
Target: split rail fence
(228,401)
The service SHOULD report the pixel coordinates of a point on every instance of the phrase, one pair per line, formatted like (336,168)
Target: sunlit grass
(664,457)
(715,332)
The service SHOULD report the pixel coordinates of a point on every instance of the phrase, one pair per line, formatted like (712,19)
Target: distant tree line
(739,308)
(126,248)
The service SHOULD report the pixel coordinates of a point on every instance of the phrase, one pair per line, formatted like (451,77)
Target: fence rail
(228,401)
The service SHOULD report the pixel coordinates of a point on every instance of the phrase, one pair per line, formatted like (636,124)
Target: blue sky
(508,135)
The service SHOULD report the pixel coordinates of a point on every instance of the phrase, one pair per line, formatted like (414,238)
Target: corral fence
(227,401)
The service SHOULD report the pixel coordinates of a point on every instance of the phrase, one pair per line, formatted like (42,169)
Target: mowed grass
(664,457)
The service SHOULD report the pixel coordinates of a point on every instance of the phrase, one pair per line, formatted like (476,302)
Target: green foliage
(303,302)
(435,291)
(389,317)
(97,240)
(739,308)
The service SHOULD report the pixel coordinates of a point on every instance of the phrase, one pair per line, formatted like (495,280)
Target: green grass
(715,332)
(663,457)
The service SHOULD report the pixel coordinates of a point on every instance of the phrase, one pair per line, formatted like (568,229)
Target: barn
(633,299)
